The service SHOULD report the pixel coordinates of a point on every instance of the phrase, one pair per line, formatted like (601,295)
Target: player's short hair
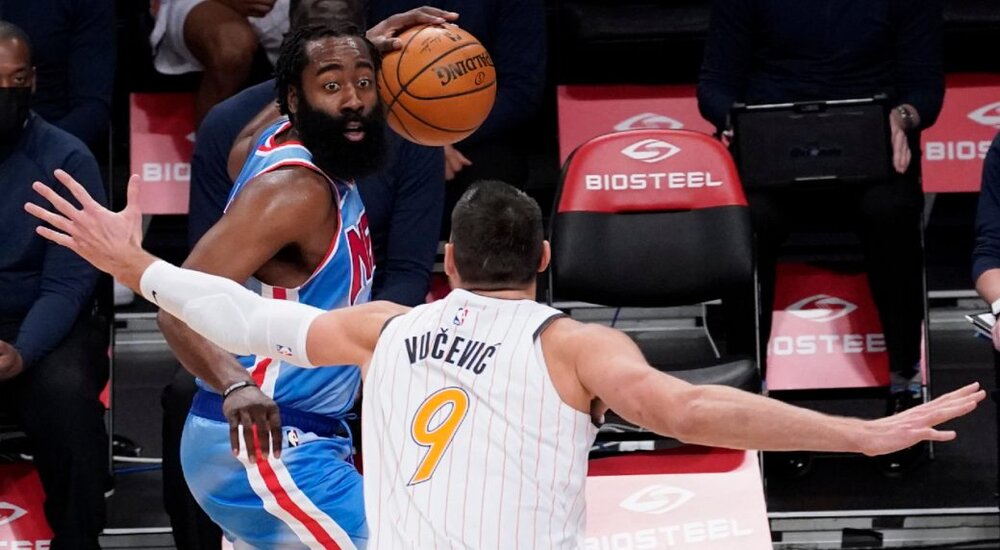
(293,57)
(10,31)
(496,234)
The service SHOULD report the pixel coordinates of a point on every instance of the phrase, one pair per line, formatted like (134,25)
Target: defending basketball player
(478,408)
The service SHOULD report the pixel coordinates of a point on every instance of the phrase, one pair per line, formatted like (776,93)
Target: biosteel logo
(821,308)
(656,499)
(650,150)
(9,513)
(648,120)
(987,115)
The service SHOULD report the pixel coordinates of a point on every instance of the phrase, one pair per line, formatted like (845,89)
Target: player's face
(340,80)
(338,113)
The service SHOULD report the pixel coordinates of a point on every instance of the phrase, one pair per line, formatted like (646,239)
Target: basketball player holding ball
(300,233)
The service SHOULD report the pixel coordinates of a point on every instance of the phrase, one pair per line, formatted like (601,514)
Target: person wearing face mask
(53,357)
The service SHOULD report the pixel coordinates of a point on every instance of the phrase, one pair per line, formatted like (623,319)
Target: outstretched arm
(217,308)
(613,369)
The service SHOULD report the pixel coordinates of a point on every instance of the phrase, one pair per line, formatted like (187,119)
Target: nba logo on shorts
(284,350)
(460,316)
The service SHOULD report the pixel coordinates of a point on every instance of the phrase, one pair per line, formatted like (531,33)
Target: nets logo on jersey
(362,264)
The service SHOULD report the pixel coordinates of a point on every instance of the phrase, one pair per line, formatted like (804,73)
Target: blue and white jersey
(343,278)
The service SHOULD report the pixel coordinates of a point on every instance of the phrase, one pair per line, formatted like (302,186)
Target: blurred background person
(53,354)
(778,51)
(74,52)
(514,33)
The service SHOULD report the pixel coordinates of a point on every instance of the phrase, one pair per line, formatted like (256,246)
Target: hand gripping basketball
(439,87)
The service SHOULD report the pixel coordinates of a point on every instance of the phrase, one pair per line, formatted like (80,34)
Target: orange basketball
(439,87)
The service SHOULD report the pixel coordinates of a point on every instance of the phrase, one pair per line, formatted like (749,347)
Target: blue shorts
(311,497)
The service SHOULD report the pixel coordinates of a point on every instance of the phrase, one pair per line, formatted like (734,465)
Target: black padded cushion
(654,259)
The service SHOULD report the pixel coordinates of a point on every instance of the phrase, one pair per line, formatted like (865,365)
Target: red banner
(826,332)
(22,520)
(162,140)
(954,148)
(586,112)
(714,509)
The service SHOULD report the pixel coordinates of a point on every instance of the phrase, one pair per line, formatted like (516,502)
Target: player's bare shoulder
(563,341)
(248,136)
(295,193)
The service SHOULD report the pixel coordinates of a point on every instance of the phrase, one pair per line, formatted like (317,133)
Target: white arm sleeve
(229,315)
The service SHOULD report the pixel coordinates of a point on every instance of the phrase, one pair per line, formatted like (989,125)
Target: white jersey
(467,444)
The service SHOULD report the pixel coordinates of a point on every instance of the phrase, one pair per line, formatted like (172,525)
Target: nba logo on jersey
(460,316)
(285,350)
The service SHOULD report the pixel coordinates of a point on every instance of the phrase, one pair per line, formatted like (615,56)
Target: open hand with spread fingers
(108,240)
(899,431)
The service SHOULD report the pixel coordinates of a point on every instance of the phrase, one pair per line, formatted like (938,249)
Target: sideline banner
(694,497)
(586,112)
(162,140)
(954,148)
(22,519)
(825,331)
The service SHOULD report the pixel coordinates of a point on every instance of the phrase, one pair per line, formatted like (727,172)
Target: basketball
(439,87)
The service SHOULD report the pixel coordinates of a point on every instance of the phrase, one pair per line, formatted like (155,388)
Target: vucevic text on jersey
(464,353)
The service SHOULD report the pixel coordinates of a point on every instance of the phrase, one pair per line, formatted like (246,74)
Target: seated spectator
(513,32)
(53,360)
(219,38)
(73,49)
(779,51)
(986,255)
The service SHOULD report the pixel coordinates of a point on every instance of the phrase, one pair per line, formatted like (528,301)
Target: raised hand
(897,432)
(385,33)
(111,241)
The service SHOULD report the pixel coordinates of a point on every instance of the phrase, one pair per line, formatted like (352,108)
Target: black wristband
(237,386)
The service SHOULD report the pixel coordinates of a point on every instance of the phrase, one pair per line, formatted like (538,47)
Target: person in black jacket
(774,51)
(513,32)
(53,356)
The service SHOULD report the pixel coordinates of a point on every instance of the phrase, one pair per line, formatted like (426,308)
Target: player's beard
(323,134)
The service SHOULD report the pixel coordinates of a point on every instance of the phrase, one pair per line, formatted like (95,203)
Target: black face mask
(323,135)
(14,105)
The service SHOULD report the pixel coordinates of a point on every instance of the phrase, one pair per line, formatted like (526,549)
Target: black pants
(192,528)
(886,217)
(57,404)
